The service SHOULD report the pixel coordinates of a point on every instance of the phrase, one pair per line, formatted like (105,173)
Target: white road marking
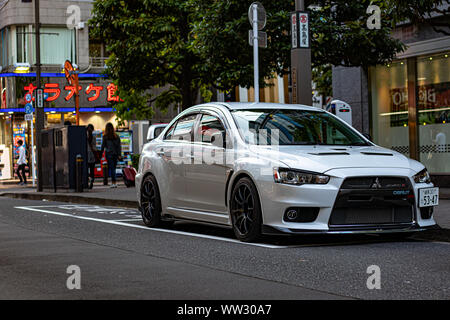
(120,223)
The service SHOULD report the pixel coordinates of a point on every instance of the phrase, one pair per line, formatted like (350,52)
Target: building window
(57,45)
(22,44)
(389,94)
(433,84)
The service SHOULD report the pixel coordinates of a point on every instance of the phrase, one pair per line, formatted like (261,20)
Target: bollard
(105,174)
(79,174)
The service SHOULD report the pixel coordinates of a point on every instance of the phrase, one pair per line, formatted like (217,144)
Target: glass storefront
(433,80)
(389,105)
(389,93)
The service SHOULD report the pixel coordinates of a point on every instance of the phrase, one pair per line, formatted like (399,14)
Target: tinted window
(182,130)
(294,127)
(210,126)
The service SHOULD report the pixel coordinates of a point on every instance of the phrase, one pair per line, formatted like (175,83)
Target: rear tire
(245,211)
(151,204)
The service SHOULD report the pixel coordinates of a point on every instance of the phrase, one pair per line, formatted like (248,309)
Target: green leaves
(189,47)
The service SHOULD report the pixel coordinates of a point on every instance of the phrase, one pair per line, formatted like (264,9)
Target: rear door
(206,175)
(175,152)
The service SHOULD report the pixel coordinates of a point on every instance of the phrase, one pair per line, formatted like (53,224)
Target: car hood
(325,158)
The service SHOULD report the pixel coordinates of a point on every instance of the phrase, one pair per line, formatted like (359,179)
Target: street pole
(39,111)
(301,73)
(33,169)
(77,100)
(255,52)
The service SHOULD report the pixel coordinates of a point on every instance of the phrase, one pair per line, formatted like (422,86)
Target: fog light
(301,214)
(292,214)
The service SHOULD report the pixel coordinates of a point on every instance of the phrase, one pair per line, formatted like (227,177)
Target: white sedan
(275,168)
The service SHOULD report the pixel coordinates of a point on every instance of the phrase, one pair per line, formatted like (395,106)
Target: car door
(175,152)
(206,175)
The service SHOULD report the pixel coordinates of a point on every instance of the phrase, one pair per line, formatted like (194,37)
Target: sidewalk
(126,197)
(100,195)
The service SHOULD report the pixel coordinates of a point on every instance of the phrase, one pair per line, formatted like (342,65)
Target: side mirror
(150,134)
(217,139)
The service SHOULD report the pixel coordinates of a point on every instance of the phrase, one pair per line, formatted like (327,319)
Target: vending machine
(126,140)
(98,136)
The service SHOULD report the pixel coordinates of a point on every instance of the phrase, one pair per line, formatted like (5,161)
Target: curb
(73,199)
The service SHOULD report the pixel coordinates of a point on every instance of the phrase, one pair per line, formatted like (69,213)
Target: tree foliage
(435,13)
(186,47)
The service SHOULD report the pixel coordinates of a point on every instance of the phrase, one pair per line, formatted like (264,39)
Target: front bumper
(277,198)
(268,230)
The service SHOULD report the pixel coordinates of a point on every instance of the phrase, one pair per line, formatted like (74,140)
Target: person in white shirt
(22,162)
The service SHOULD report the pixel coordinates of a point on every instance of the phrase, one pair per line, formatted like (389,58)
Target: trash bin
(70,142)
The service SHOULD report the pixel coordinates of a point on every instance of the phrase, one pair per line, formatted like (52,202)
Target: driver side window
(211,130)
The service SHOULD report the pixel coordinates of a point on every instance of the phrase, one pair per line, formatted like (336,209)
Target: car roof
(261,105)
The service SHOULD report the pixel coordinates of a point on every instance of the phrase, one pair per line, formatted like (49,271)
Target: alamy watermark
(374,21)
(74,18)
(374,280)
(74,280)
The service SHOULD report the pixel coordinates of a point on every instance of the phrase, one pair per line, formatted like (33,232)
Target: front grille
(373,202)
(379,182)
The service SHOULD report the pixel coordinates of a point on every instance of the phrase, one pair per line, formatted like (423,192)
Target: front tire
(151,203)
(245,211)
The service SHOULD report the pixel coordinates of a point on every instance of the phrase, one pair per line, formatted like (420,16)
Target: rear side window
(182,129)
(210,126)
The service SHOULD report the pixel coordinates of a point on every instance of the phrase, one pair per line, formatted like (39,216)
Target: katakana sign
(53,91)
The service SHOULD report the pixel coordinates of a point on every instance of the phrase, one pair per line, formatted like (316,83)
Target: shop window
(433,83)
(389,94)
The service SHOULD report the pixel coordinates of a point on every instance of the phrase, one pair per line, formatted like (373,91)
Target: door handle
(161,153)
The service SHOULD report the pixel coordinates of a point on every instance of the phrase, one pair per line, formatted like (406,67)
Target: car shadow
(293,240)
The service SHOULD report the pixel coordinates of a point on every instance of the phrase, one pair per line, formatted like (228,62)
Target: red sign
(54,91)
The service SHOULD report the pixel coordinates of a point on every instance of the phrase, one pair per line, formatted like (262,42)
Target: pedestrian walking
(91,154)
(22,162)
(113,151)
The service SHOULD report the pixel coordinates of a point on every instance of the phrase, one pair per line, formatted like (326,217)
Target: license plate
(428,197)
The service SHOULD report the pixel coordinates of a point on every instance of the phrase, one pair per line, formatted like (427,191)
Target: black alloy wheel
(151,203)
(245,208)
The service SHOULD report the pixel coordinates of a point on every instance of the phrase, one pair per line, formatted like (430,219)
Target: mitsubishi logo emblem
(376,184)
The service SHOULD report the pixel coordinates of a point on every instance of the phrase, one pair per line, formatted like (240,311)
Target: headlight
(297,177)
(422,177)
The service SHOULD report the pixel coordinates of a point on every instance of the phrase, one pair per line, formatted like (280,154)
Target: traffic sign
(29,117)
(40,98)
(28,108)
(45,96)
(262,38)
(261,16)
(28,97)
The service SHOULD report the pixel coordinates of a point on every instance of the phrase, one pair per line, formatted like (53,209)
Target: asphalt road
(119,258)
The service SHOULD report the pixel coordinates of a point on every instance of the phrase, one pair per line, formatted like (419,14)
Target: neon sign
(53,91)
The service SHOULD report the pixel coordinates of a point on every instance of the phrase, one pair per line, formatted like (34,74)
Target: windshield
(294,127)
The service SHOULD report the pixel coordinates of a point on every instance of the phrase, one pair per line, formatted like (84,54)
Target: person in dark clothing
(91,154)
(113,151)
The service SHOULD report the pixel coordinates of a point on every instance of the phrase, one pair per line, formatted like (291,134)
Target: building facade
(405,105)
(59,42)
